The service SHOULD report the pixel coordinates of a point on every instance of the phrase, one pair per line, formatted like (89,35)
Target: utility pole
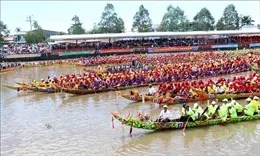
(29,19)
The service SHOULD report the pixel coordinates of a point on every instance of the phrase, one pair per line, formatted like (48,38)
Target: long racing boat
(44,89)
(180,100)
(177,124)
(34,89)
(14,87)
(91,91)
(8,69)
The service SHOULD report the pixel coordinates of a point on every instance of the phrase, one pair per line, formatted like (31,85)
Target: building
(250,27)
(19,37)
(48,33)
(150,41)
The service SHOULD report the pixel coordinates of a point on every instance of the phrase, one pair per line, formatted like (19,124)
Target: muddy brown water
(64,124)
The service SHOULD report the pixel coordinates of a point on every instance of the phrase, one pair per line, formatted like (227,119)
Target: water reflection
(216,139)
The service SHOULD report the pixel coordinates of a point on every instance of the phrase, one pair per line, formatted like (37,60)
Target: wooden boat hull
(39,89)
(87,91)
(8,69)
(43,89)
(209,97)
(22,83)
(14,87)
(137,99)
(179,125)
(255,68)
(180,100)
(81,91)
(89,70)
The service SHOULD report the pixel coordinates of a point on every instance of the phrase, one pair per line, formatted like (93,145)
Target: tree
(36,25)
(220,25)
(35,36)
(18,29)
(142,21)
(3,31)
(246,20)
(174,20)
(61,33)
(203,21)
(229,20)
(95,29)
(109,22)
(76,27)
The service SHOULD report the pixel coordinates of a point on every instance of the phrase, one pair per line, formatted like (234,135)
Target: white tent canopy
(152,34)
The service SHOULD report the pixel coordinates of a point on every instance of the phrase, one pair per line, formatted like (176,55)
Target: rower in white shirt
(165,115)
(220,89)
(151,90)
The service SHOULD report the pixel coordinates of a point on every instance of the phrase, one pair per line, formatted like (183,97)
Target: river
(64,124)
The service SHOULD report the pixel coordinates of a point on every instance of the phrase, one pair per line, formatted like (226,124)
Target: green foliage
(95,29)
(246,20)
(35,36)
(174,20)
(229,20)
(36,25)
(110,22)
(142,21)
(76,27)
(220,25)
(3,31)
(48,125)
(17,29)
(203,21)
(61,33)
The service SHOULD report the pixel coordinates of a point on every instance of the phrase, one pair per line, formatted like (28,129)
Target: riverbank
(45,57)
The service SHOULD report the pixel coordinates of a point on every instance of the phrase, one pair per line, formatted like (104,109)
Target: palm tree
(36,25)
(246,20)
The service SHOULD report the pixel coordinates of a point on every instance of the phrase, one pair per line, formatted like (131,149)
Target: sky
(57,15)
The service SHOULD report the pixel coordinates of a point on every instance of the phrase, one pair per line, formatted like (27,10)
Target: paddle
(186,123)
(143,98)
(204,112)
(189,119)
(216,110)
(113,126)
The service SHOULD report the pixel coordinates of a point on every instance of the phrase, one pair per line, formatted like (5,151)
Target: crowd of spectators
(139,43)
(127,45)
(26,48)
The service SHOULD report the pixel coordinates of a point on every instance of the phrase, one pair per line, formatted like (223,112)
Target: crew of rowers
(228,109)
(121,59)
(161,73)
(49,83)
(184,57)
(239,84)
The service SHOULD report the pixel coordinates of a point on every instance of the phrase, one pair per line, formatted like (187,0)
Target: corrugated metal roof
(152,34)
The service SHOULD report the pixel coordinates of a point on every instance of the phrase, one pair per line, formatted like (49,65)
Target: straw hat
(256,98)
(165,106)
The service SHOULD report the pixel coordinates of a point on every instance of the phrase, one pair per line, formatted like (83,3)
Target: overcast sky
(57,15)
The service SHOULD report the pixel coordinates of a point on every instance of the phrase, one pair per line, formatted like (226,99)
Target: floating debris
(48,126)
